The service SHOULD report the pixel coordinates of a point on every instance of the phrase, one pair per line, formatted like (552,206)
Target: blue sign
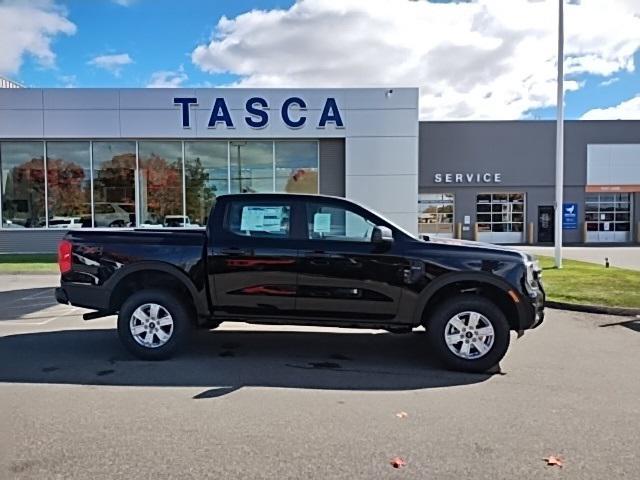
(570,216)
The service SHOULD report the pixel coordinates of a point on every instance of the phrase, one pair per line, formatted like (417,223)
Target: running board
(94,315)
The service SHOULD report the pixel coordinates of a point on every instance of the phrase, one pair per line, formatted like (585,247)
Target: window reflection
(296,167)
(210,167)
(435,214)
(22,184)
(114,165)
(206,177)
(251,166)
(160,183)
(69,184)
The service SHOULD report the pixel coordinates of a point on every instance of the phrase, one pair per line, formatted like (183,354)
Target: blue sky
(157,35)
(463,74)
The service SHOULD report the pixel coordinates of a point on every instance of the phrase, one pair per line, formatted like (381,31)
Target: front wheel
(469,333)
(153,324)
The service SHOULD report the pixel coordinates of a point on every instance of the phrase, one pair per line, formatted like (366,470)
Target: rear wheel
(153,324)
(469,333)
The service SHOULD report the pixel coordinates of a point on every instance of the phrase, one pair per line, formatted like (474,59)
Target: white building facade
(124,158)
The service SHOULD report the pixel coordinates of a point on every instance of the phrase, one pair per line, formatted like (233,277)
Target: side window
(259,220)
(329,222)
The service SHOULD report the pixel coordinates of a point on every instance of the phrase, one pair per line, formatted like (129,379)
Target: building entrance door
(545,224)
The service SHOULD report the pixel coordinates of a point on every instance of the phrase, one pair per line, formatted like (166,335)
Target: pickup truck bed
(99,256)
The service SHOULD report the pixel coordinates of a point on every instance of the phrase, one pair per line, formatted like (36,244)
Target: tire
(479,352)
(168,333)
(117,224)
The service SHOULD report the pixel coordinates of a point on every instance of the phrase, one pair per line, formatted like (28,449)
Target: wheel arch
(504,295)
(154,275)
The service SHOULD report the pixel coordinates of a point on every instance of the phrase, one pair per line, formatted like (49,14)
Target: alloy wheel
(151,325)
(469,335)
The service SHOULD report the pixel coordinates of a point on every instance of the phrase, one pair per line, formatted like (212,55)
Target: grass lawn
(590,283)
(28,263)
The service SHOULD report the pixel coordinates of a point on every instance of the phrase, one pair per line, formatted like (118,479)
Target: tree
(200,193)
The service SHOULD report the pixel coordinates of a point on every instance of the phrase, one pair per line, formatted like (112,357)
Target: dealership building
(124,158)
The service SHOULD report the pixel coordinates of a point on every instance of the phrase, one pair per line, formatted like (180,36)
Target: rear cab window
(259,219)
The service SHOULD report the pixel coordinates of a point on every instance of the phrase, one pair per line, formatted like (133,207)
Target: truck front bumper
(535,314)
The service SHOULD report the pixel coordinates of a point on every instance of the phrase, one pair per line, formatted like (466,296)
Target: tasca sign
(257,114)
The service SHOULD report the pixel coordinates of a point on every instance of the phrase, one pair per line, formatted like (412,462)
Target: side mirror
(381,234)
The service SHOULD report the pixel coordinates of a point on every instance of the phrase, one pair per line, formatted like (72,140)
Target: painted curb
(576,307)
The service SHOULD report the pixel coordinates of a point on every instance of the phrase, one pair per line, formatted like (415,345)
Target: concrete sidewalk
(623,257)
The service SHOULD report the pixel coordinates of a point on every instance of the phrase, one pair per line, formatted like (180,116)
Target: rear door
(253,258)
(343,274)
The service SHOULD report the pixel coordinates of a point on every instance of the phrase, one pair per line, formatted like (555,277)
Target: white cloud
(168,78)
(481,59)
(627,110)
(112,63)
(609,81)
(67,81)
(28,28)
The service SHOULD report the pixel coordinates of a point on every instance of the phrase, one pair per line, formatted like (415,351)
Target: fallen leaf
(554,461)
(398,462)
(402,414)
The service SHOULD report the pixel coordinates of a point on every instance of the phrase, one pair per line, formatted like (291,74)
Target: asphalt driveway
(265,402)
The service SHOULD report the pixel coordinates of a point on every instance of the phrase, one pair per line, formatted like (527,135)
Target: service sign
(468,177)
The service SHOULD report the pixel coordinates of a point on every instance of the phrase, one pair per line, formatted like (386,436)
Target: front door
(545,224)
(343,274)
(253,259)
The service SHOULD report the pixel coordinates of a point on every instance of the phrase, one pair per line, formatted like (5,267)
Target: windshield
(393,224)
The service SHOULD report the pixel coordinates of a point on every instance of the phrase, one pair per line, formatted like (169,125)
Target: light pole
(559,139)
(239,145)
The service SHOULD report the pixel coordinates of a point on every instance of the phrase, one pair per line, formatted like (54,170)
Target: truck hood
(486,247)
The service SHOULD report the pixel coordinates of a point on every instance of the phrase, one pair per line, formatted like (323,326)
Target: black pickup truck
(302,260)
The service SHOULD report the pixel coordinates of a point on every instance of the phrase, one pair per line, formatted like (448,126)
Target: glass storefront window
(296,167)
(23,198)
(172,191)
(69,184)
(114,166)
(206,177)
(251,166)
(436,214)
(160,184)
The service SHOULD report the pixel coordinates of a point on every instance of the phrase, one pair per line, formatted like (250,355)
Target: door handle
(317,257)
(324,254)
(236,251)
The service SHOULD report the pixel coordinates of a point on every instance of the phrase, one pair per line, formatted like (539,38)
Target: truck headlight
(533,273)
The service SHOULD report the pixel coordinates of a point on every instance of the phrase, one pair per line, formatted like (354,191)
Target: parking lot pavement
(623,257)
(276,402)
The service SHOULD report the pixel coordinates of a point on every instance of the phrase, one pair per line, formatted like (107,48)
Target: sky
(473,60)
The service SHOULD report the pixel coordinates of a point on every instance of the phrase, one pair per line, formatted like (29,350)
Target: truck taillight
(64,256)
